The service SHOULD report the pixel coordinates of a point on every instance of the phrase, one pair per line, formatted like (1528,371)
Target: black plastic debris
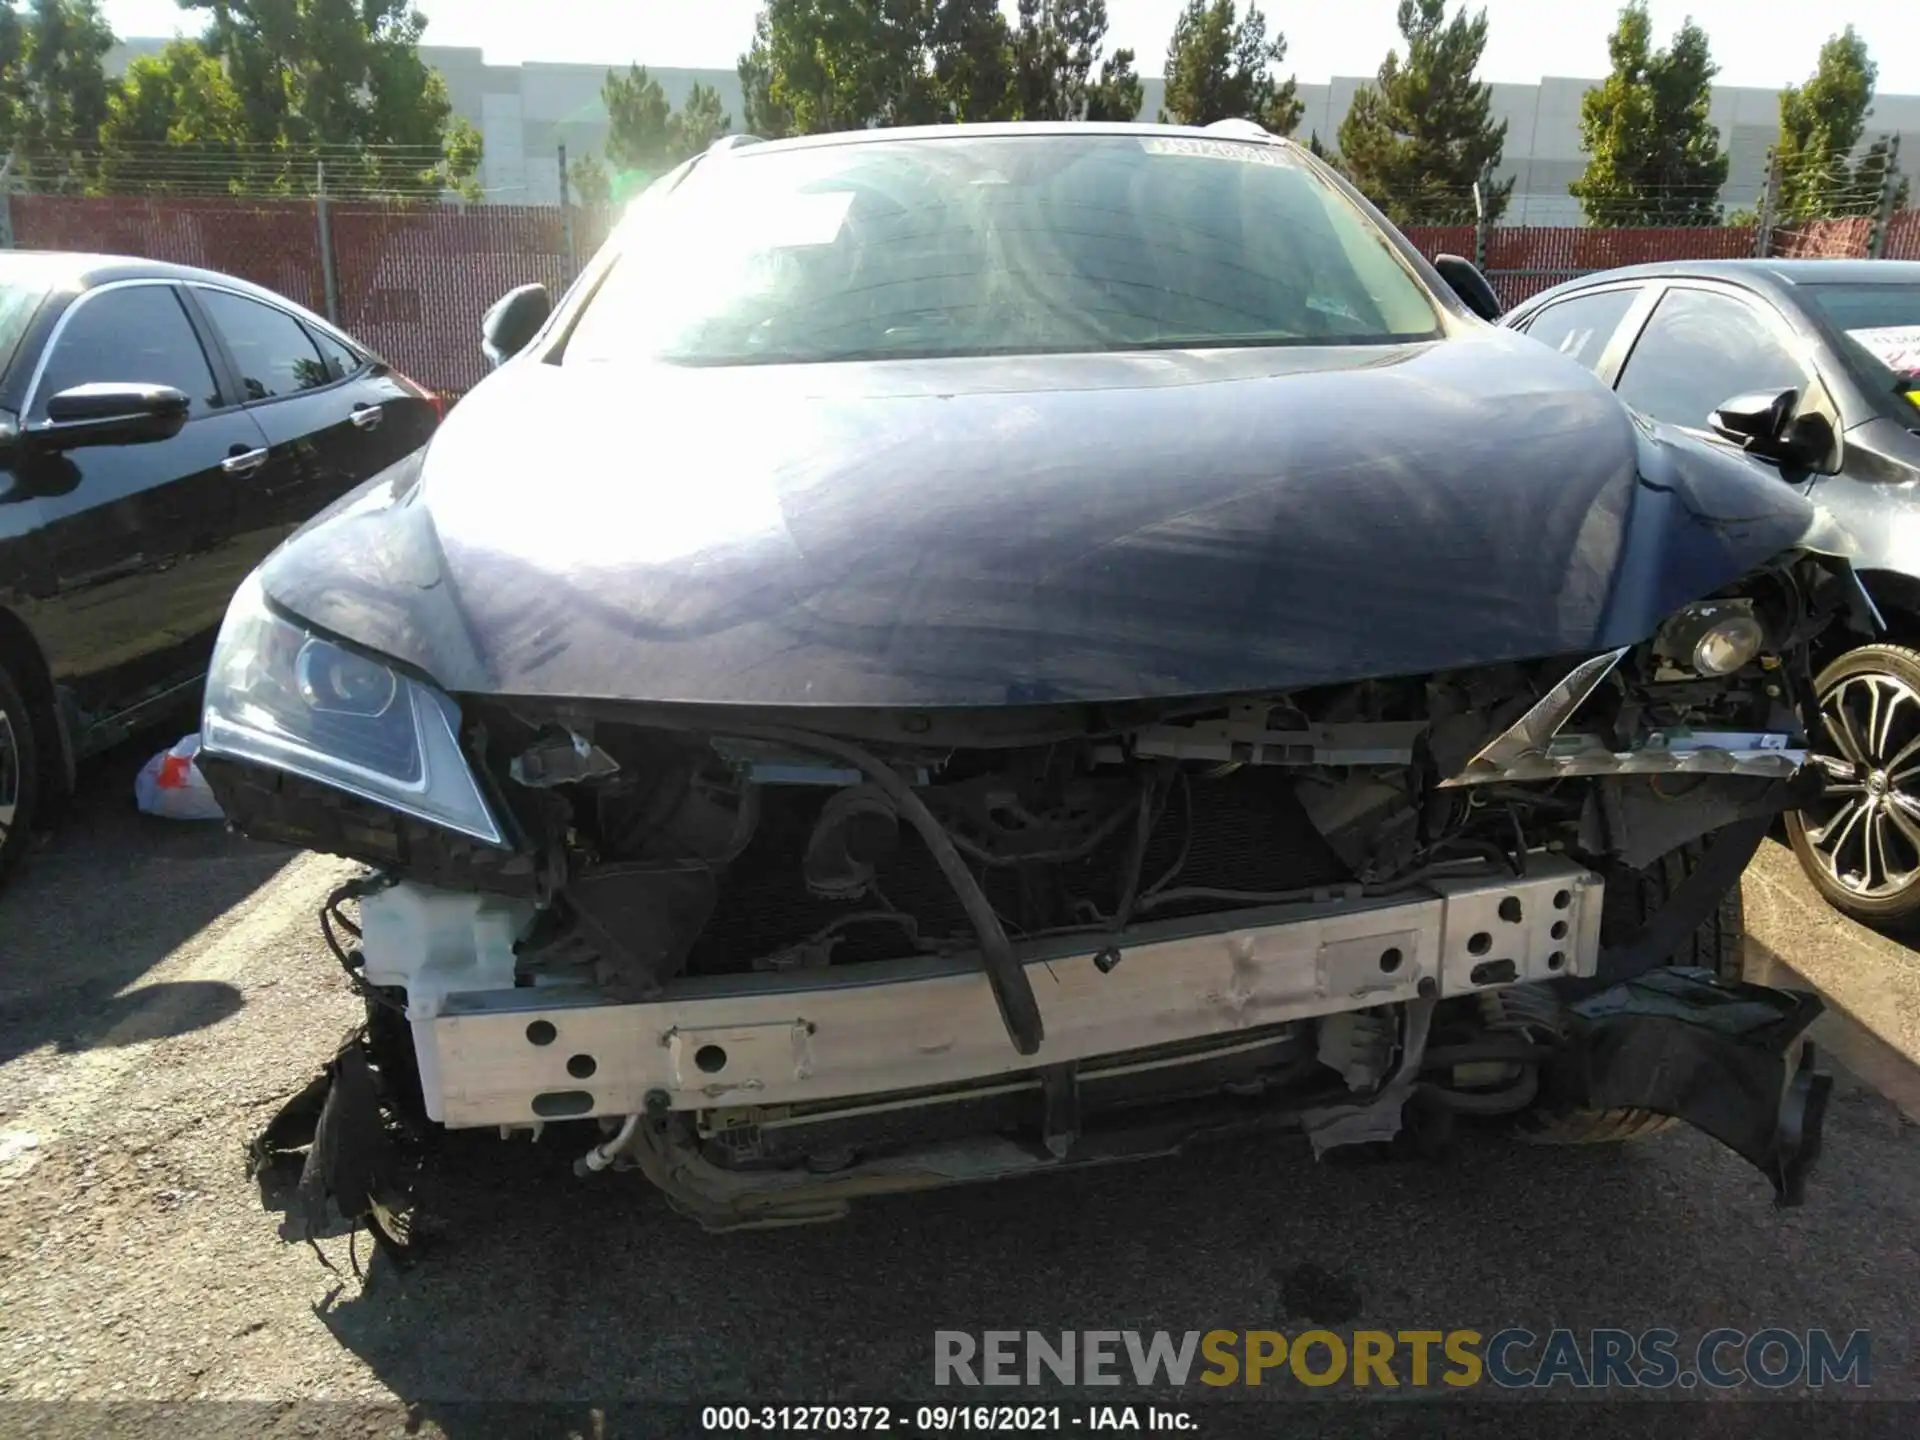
(342,1134)
(1724,1056)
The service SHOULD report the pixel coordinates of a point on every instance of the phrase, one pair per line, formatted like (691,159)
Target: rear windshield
(1879,327)
(993,246)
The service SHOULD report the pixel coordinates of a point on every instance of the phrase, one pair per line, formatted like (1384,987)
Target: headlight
(1713,637)
(343,683)
(1728,645)
(281,697)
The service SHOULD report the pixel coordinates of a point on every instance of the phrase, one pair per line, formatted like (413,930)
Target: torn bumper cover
(340,1136)
(1718,1054)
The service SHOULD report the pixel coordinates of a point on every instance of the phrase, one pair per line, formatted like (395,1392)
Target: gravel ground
(163,988)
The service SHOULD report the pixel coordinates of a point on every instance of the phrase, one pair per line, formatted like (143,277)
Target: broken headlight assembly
(1712,637)
(280,696)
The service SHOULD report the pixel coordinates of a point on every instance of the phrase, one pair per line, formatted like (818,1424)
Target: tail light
(439,405)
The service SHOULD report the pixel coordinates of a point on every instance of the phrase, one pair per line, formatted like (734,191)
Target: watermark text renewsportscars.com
(1513,1358)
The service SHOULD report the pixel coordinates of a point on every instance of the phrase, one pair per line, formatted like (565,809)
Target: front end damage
(787,959)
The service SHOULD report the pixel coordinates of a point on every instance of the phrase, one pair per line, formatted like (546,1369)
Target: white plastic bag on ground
(171,786)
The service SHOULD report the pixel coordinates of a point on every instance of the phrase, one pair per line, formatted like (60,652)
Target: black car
(1812,366)
(956,653)
(162,429)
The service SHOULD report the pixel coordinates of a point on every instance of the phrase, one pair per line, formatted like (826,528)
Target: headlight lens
(281,697)
(1728,645)
(340,682)
(1712,637)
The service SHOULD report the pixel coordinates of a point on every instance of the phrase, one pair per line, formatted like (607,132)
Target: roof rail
(733,142)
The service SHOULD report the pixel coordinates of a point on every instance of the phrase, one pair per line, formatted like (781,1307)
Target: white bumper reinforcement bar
(492,1054)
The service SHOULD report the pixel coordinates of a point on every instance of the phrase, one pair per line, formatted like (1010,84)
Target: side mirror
(1469,284)
(1763,424)
(114,413)
(516,317)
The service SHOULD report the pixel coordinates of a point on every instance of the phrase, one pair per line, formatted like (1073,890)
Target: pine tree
(57,91)
(1821,124)
(345,75)
(1118,93)
(1653,155)
(1056,45)
(1419,138)
(821,65)
(1220,67)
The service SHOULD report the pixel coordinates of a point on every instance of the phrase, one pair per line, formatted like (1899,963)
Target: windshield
(1879,327)
(996,246)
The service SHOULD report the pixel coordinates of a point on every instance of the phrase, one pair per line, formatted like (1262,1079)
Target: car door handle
(366,416)
(245,463)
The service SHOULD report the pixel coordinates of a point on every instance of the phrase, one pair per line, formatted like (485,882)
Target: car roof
(1244,131)
(1778,276)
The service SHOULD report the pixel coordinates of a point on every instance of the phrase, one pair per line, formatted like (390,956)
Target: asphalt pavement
(163,988)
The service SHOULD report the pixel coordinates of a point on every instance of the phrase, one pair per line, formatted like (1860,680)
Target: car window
(1700,349)
(997,245)
(1876,329)
(1580,327)
(18,304)
(137,335)
(341,361)
(272,350)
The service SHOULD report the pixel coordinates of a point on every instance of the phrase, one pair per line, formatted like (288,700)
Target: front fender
(1702,517)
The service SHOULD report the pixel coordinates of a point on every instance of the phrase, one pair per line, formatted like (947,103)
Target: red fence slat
(274,243)
(1823,240)
(1903,236)
(414,282)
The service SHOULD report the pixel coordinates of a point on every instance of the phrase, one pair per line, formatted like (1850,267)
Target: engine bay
(698,852)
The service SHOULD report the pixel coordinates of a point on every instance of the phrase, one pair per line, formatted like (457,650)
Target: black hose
(330,916)
(1012,991)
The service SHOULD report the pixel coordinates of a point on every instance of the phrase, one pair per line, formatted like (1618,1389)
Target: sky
(1767,43)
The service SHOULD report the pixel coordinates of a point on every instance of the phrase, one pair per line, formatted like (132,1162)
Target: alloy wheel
(1865,830)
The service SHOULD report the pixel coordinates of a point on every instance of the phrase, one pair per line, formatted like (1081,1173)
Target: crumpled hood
(1029,530)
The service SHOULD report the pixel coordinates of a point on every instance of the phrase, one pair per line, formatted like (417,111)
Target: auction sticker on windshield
(1895,346)
(1236,150)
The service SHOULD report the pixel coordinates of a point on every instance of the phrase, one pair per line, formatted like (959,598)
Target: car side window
(136,335)
(341,362)
(1699,350)
(1580,327)
(271,349)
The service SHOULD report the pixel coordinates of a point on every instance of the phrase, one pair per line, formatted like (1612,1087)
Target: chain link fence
(412,280)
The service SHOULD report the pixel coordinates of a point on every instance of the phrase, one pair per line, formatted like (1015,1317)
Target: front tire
(19,773)
(1718,945)
(1860,843)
